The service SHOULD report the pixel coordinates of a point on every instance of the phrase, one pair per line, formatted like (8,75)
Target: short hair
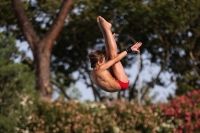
(96,56)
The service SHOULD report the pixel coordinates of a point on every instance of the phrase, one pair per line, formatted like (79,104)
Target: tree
(173,41)
(162,26)
(17,94)
(41,46)
(81,39)
(168,32)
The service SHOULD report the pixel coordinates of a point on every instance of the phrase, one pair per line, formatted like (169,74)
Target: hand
(136,46)
(114,35)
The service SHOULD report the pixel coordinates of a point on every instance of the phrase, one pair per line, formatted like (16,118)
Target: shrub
(74,117)
(17,89)
(183,112)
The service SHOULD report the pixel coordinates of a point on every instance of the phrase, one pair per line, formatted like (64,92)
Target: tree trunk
(41,47)
(42,72)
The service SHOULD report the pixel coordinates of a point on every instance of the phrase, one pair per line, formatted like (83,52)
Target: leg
(111,46)
(108,56)
(104,36)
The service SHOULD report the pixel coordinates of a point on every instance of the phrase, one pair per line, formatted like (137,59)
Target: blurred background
(167,65)
(45,45)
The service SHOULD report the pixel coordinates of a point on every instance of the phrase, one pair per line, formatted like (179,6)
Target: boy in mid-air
(115,79)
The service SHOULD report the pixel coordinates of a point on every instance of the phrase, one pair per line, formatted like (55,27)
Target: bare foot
(99,25)
(103,24)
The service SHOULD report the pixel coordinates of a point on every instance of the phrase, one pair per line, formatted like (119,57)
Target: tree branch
(167,55)
(83,54)
(54,30)
(193,64)
(61,89)
(134,84)
(25,24)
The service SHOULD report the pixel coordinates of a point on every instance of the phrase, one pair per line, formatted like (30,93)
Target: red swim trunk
(123,85)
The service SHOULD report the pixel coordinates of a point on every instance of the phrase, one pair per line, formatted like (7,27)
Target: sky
(87,94)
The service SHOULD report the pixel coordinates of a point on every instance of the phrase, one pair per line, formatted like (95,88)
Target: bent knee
(113,55)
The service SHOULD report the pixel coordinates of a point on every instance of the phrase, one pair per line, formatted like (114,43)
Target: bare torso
(104,80)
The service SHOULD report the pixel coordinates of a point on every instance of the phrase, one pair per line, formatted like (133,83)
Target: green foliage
(17,92)
(169,30)
(74,117)
(6,15)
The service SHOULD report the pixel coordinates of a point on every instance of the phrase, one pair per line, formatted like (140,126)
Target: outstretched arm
(121,55)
